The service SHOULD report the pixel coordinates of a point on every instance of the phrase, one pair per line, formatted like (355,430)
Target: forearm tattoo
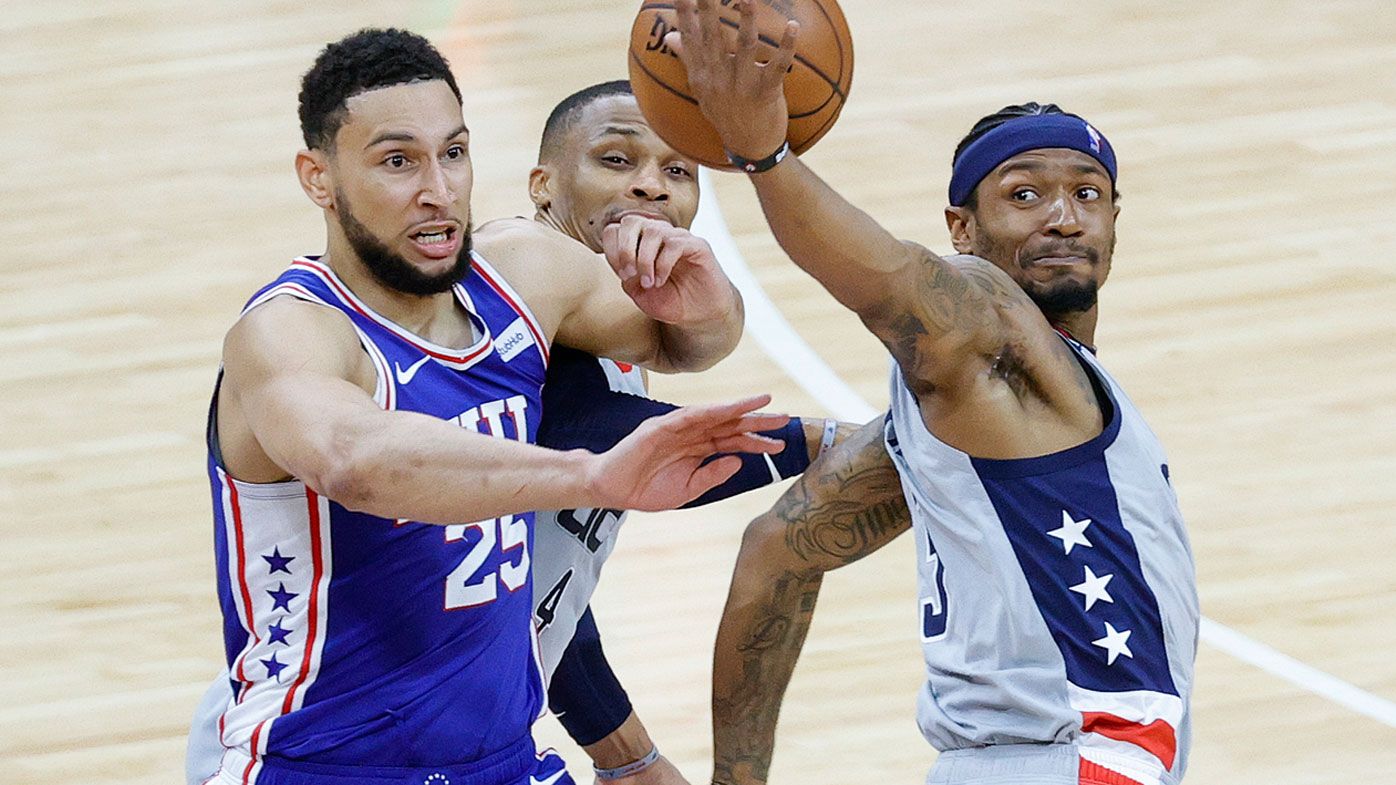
(847,505)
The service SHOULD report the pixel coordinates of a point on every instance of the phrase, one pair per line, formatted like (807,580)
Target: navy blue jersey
(355,640)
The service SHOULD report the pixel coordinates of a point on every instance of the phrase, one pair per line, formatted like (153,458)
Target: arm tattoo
(847,505)
(950,298)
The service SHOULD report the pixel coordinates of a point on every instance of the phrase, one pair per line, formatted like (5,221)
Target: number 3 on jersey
(933,607)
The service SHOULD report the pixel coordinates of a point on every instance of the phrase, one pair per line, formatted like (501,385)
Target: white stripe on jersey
(285,562)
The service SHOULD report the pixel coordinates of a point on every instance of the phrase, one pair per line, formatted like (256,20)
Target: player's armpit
(946,313)
(848,504)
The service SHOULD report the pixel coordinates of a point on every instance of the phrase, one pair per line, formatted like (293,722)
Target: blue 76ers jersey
(1058,597)
(355,640)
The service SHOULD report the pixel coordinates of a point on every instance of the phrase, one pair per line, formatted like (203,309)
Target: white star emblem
(1072,532)
(1093,588)
(1115,643)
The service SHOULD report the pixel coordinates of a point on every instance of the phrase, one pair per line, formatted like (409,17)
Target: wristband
(763,165)
(831,430)
(629,768)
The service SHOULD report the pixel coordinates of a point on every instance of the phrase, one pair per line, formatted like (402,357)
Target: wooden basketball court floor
(147,190)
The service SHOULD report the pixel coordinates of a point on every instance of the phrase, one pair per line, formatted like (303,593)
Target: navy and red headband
(1019,135)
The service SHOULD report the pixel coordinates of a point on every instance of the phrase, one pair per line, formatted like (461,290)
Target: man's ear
(313,170)
(960,222)
(540,186)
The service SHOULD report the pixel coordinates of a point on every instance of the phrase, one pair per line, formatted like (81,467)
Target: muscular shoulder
(551,271)
(289,332)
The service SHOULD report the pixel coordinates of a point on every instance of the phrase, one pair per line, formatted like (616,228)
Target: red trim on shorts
(252,754)
(1096,774)
(1157,737)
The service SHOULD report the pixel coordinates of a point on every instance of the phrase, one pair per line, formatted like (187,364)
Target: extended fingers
(749,442)
(746,33)
(784,56)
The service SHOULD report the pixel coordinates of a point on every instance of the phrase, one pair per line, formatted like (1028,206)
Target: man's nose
(649,185)
(1064,217)
(437,189)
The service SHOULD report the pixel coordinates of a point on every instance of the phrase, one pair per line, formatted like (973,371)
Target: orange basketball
(815,88)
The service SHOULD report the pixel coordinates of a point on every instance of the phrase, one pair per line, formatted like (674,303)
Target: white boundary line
(810,372)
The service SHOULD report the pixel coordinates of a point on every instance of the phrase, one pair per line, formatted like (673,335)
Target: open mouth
(437,241)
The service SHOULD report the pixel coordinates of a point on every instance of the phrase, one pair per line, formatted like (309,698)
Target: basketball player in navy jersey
(1058,611)
(598,162)
(369,443)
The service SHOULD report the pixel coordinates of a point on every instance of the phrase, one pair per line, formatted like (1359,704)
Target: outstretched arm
(930,312)
(847,505)
(300,409)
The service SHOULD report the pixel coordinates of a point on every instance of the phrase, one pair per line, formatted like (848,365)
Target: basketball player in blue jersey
(369,443)
(1058,612)
(598,158)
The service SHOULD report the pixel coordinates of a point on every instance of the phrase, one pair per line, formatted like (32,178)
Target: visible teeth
(434,238)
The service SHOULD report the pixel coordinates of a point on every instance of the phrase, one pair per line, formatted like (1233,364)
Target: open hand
(660,466)
(742,96)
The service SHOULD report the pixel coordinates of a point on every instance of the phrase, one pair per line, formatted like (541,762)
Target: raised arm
(930,312)
(300,408)
(847,505)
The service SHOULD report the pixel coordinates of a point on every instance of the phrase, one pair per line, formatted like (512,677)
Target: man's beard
(391,269)
(1064,297)
(1056,298)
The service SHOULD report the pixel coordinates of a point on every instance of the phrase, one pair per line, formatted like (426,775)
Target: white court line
(809,371)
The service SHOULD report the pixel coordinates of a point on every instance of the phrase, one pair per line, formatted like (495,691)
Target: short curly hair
(366,60)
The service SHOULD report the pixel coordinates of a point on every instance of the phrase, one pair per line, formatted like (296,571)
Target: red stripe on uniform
(313,611)
(348,298)
(1157,737)
(252,754)
(533,328)
(242,580)
(1096,774)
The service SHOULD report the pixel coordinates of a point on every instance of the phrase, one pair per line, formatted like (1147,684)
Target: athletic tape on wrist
(629,768)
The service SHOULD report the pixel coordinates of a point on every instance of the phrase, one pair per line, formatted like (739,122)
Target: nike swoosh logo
(405,377)
(549,781)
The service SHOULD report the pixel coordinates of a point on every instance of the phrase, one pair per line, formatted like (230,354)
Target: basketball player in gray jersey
(1058,611)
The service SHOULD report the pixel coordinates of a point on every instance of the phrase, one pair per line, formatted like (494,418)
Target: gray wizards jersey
(570,547)
(1058,597)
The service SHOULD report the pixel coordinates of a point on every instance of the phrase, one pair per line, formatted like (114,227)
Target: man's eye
(396,161)
(613,158)
(1088,193)
(679,171)
(455,152)
(1024,195)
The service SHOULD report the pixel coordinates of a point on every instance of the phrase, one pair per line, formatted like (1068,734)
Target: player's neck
(546,218)
(1080,325)
(434,317)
